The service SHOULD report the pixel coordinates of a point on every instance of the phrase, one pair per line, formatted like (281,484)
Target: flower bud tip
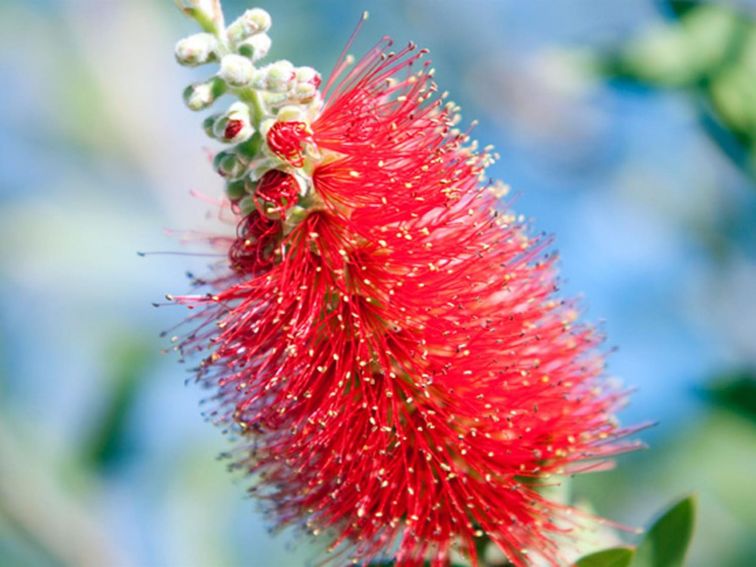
(236,70)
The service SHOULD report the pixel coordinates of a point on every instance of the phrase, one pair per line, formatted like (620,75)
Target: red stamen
(285,139)
(276,192)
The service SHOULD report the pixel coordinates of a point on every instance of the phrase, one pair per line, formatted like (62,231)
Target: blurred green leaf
(680,54)
(614,557)
(708,51)
(681,7)
(667,541)
(732,90)
(735,392)
(129,360)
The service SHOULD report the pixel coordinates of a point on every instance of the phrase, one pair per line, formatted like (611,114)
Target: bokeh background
(627,129)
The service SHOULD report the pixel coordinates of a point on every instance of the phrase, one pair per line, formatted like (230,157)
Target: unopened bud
(276,100)
(256,47)
(308,75)
(236,70)
(247,205)
(278,77)
(208,14)
(236,189)
(208,124)
(290,113)
(228,164)
(251,22)
(196,49)
(304,92)
(201,95)
(250,148)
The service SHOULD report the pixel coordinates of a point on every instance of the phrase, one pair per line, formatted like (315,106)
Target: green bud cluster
(265,94)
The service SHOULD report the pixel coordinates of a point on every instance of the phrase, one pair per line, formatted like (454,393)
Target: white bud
(280,76)
(308,75)
(275,100)
(255,47)
(238,108)
(196,49)
(236,70)
(259,79)
(206,12)
(304,92)
(259,18)
(291,113)
(201,95)
(250,23)
(308,81)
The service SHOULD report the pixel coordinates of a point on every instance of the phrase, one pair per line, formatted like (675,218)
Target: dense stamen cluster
(285,139)
(386,344)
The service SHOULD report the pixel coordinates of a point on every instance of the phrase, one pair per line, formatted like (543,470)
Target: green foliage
(708,52)
(735,392)
(664,545)
(678,55)
(614,557)
(682,7)
(667,541)
(130,360)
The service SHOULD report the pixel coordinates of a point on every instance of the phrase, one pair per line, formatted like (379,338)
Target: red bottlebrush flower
(285,139)
(390,350)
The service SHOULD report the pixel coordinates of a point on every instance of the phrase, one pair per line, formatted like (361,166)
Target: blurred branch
(724,137)
(129,361)
(33,503)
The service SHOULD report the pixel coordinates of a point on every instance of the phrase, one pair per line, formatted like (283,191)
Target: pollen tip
(141,254)
(365,15)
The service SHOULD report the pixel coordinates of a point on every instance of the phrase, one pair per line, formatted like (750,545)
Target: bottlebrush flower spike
(385,344)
